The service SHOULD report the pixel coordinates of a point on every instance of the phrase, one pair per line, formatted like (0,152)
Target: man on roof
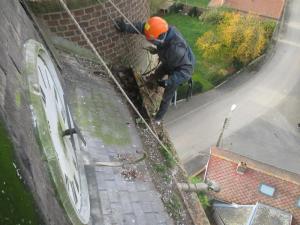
(176,57)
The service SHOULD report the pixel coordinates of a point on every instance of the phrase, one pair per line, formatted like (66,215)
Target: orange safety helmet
(154,27)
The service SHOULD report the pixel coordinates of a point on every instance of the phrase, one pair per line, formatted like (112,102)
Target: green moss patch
(101,114)
(16,202)
(73,48)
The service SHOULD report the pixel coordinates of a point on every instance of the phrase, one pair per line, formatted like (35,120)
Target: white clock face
(56,133)
(57,114)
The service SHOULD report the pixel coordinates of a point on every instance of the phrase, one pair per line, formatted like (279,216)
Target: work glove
(120,25)
(162,83)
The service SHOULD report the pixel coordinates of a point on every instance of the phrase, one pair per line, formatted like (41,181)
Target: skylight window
(267,190)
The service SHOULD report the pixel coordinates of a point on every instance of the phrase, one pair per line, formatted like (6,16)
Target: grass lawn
(192,28)
(198,3)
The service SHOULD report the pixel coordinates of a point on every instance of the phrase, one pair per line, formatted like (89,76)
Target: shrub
(237,37)
(176,8)
(269,27)
(213,16)
(216,79)
(197,87)
(182,91)
(194,12)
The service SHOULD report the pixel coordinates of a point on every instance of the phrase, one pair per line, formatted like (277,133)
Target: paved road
(264,124)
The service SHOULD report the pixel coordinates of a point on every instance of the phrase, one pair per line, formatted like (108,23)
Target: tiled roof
(267,8)
(244,189)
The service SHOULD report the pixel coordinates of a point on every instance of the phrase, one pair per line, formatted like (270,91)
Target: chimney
(241,168)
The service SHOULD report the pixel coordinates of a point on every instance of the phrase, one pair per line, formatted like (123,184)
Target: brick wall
(244,189)
(96,20)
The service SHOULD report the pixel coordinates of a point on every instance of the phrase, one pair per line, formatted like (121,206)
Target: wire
(112,76)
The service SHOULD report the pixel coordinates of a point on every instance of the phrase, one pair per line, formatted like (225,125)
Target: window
(267,190)
(298,202)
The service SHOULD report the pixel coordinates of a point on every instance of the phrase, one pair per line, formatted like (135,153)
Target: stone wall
(97,21)
(15,29)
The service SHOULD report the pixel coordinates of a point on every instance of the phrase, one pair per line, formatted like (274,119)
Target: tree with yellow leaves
(237,37)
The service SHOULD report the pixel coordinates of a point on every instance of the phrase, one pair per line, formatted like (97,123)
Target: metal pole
(222,132)
(233,107)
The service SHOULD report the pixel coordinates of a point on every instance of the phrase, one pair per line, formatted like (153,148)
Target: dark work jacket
(177,58)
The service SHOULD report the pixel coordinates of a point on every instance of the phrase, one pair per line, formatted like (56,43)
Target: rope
(110,73)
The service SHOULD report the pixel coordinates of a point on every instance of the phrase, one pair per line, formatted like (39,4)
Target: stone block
(125,202)
(113,196)
(139,214)
(117,214)
(85,17)
(105,203)
(147,207)
(78,12)
(55,23)
(151,218)
(89,10)
(61,22)
(107,220)
(130,219)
